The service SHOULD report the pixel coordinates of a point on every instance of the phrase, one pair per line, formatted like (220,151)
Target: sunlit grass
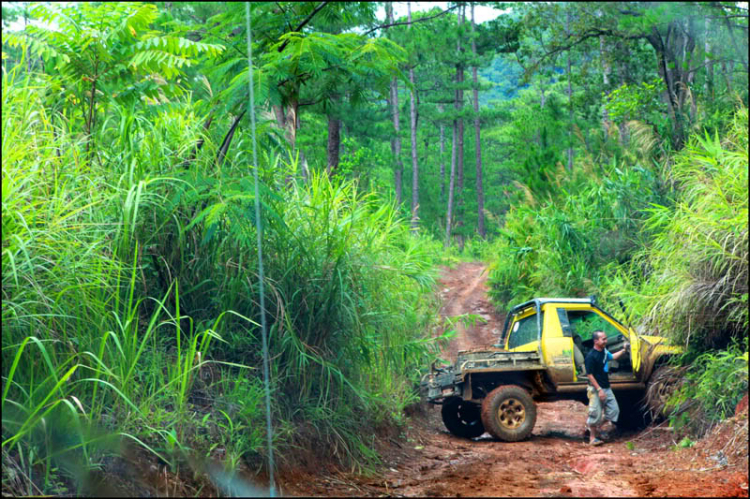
(130,300)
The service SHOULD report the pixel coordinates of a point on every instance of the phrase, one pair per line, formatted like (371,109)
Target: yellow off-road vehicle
(540,357)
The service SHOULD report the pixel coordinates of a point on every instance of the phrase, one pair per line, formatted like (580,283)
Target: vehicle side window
(524,331)
(564,324)
(585,322)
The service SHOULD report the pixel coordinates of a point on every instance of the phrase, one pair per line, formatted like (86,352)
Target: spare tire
(509,413)
(462,418)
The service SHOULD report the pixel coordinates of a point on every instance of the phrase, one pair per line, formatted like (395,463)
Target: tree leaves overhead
(111,44)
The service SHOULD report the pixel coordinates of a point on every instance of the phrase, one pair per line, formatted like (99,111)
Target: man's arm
(599,391)
(624,350)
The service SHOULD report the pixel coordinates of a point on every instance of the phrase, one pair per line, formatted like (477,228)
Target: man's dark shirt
(595,366)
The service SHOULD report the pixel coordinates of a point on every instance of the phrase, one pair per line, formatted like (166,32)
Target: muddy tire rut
(555,461)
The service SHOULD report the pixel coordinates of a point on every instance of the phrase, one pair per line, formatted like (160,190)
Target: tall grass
(715,382)
(346,285)
(697,265)
(130,298)
(59,278)
(558,247)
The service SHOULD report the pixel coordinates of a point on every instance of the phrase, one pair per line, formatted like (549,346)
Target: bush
(127,279)
(714,384)
(690,281)
(561,247)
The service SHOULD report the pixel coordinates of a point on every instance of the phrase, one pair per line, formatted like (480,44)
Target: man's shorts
(611,409)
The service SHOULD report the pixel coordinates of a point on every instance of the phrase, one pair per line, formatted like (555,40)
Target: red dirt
(741,406)
(555,461)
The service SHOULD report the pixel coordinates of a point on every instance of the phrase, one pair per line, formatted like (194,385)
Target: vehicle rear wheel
(462,418)
(509,413)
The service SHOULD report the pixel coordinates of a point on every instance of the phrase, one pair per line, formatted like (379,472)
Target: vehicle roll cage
(537,304)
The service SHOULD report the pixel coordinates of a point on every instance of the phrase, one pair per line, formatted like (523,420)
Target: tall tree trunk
(568,73)
(606,70)
(542,102)
(460,129)
(334,143)
(657,42)
(709,65)
(442,156)
(398,171)
(303,166)
(278,111)
(460,102)
(727,76)
(685,76)
(286,119)
(293,123)
(451,187)
(413,127)
(622,71)
(224,147)
(737,50)
(477,142)
(333,147)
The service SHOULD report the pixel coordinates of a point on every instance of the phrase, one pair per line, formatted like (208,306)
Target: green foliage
(694,272)
(124,286)
(640,102)
(130,283)
(107,51)
(685,443)
(559,248)
(714,384)
(587,242)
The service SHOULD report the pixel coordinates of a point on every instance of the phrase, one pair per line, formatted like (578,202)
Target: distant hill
(505,75)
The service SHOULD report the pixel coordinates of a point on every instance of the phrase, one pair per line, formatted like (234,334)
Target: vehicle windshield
(585,322)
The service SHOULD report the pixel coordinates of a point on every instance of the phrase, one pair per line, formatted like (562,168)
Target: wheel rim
(467,415)
(511,414)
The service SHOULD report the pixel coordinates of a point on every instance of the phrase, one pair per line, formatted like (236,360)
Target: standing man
(602,402)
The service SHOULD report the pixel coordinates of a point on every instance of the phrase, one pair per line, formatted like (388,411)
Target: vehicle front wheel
(509,413)
(462,418)
(633,415)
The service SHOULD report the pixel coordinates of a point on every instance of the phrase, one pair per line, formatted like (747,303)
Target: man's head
(600,340)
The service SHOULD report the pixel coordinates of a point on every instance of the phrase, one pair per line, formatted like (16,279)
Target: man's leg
(595,414)
(611,407)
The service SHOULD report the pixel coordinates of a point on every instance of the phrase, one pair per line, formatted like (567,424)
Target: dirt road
(554,461)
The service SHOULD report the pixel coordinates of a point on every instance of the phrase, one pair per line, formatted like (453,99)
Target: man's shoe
(596,442)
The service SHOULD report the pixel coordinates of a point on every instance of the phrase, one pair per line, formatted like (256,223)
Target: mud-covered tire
(509,413)
(462,418)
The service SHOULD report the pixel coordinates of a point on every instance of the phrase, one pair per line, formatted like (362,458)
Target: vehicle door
(557,344)
(585,319)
